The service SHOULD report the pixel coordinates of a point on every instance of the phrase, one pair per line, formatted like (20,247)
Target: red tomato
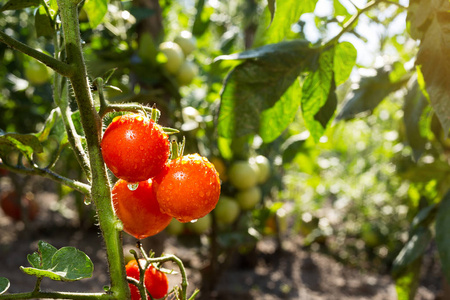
(156,282)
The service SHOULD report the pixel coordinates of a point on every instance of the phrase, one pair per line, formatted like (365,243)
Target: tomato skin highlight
(156,282)
(188,188)
(138,209)
(135,148)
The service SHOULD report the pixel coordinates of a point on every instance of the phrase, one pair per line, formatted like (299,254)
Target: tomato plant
(156,282)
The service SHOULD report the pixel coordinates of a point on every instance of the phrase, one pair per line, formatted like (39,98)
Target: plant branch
(349,24)
(394,3)
(47,173)
(59,66)
(58,295)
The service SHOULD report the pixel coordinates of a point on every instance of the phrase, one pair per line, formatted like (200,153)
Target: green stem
(59,66)
(91,122)
(47,173)
(58,295)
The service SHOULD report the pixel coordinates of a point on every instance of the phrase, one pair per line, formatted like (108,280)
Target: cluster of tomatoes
(177,54)
(155,185)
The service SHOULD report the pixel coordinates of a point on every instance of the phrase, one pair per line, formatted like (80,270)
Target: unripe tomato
(248,198)
(188,188)
(174,55)
(227,210)
(156,282)
(187,72)
(186,41)
(202,225)
(220,167)
(243,174)
(132,270)
(37,73)
(135,148)
(138,209)
(263,168)
(11,206)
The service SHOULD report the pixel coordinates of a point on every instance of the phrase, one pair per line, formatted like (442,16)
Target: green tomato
(248,198)
(175,227)
(243,174)
(263,168)
(202,225)
(37,73)
(227,210)
(174,55)
(187,42)
(187,72)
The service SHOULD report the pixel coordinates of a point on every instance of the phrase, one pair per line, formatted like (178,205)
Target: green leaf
(96,11)
(344,61)
(413,108)
(434,61)
(371,91)
(42,23)
(340,10)
(424,216)
(413,250)
(277,118)
(202,18)
(25,143)
(4,285)
(406,284)
(293,145)
(443,234)
(19,4)
(287,12)
(65,264)
(55,114)
(257,84)
(316,92)
(271,6)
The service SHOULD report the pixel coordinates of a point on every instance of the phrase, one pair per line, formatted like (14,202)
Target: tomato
(263,168)
(202,225)
(156,282)
(227,210)
(243,174)
(174,55)
(186,41)
(135,148)
(132,270)
(11,206)
(248,198)
(37,73)
(138,209)
(188,188)
(187,72)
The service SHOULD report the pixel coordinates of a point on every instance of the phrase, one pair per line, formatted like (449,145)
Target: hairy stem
(57,65)
(57,295)
(91,122)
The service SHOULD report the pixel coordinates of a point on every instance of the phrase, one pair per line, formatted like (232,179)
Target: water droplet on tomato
(195,220)
(133,186)
(87,200)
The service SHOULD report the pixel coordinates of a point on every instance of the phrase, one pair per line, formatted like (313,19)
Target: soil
(289,273)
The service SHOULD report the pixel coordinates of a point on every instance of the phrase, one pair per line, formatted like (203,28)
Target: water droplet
(195,220)
(133,186)
(87,200)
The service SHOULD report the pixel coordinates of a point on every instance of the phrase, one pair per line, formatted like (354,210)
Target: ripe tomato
(138,209)
(11,206)
(188,188)
(243,174)
(156,282)
(132,270)
(135,148)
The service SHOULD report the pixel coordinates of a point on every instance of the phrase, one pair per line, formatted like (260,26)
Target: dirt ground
(292,273)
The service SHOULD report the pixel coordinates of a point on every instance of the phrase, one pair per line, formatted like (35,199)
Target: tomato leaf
(4,285)
(42,23)
(271,5)
(443,235)
(19,4)
(286,13)
(96,11)
(413,250)
(413,108)
(344,61)
(434,61)
(276,119)
(293,145)
(316,92)
(25,143)
(406,283)
(258,83)
(65,264)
